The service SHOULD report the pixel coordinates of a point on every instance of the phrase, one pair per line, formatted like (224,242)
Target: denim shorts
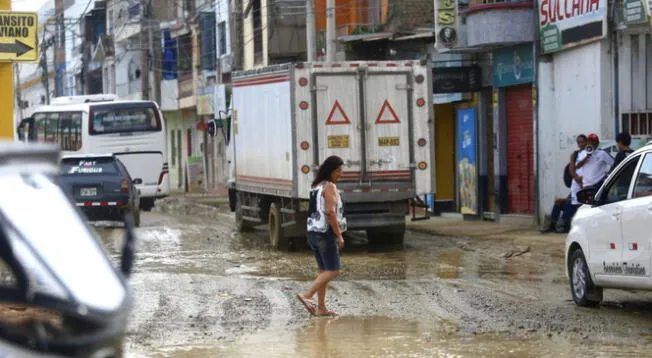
(327,253)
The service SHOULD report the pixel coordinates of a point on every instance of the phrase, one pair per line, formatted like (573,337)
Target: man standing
(623,141)
(594,164)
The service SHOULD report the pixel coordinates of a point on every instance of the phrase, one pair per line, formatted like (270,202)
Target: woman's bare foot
(323,311)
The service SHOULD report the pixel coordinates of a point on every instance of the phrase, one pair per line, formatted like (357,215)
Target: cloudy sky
(27,5)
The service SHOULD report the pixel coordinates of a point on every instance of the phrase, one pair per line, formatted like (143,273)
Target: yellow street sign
(18,36)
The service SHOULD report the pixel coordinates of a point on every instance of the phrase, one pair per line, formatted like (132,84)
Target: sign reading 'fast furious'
(567,23)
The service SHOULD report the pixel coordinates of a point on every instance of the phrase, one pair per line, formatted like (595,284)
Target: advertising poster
(467,161)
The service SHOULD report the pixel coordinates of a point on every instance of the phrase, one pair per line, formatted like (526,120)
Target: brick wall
(406,15)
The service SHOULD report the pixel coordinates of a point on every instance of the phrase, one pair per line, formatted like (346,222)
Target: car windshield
(84,166)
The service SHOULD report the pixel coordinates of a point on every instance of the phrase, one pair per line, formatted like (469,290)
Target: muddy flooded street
(203,290)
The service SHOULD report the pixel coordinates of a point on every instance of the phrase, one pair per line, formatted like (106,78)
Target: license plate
(88,192)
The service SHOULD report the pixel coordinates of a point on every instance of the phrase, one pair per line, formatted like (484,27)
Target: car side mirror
(587,195)
(137,181)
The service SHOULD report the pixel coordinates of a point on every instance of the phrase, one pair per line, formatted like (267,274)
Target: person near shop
(595,165)
(564,205)
(623,141)
(326,223)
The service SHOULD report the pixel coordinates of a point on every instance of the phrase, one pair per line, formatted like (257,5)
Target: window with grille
(637,123)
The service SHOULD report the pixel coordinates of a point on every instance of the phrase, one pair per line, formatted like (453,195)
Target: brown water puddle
(383,337)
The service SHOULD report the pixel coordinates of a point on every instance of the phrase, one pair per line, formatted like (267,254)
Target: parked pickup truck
(286,119)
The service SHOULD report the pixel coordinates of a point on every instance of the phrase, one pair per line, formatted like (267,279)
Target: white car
(609,244)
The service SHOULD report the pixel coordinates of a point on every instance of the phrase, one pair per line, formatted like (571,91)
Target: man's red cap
(593,137)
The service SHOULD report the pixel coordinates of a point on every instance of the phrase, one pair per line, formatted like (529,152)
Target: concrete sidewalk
(518,229)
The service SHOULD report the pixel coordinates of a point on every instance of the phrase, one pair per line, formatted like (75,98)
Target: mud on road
(201,289)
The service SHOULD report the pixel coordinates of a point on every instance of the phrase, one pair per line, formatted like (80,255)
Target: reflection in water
(384,337)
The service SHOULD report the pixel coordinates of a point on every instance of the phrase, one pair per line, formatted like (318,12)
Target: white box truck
(286,119)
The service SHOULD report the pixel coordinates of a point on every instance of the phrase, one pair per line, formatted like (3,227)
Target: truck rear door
(339,122)
(388,142)
(363,116)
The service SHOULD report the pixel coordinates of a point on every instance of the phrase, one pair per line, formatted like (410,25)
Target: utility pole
(19,96)
(144,53)
(311,33)
(154,55)
(330,31)
(59,49)
(44,67)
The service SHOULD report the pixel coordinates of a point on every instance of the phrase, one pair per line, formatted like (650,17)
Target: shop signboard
(636,11)
(441,61)
(513,66)
(446,29)
(467,164)
(567,23)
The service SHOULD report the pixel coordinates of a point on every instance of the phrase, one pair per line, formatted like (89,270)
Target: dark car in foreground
(60,293)
(100,186)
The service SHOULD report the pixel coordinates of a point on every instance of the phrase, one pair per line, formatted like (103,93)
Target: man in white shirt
(594,165)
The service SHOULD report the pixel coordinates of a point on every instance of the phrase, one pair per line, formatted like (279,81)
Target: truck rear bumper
(375,220)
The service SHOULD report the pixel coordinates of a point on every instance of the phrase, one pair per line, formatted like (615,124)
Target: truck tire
(241,224)
(146,204)
(277,239)
(390,235)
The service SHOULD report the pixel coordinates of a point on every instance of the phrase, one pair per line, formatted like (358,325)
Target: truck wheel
(146,204)
(390,236)
(584,292)
(277,239)
(241,224)
(136,215)
(233,198)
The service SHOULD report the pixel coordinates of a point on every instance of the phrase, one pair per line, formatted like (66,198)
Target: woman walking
(326,223)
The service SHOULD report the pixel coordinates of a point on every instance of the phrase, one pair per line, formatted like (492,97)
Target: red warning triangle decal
(387,115)
(337,115)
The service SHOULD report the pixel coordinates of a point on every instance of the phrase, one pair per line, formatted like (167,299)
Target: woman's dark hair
(327,168)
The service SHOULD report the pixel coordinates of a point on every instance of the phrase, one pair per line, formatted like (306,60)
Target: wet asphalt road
(203,290)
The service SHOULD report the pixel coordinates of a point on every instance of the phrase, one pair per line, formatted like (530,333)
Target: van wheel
(241,224)
(277,239)
(146,204)
(584,292)
(387,236)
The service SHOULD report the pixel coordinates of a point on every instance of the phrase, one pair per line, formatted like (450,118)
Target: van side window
(63,128)
(643,184)
(618,188)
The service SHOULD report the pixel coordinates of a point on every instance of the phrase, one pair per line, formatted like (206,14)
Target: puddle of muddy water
(422,257)
(383,337)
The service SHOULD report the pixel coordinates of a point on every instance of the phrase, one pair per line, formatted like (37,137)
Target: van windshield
(119,119)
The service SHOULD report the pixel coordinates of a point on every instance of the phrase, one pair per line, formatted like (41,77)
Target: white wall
(127,85)
(575,96)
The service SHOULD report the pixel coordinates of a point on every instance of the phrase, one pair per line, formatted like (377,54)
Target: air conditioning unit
(226,63)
